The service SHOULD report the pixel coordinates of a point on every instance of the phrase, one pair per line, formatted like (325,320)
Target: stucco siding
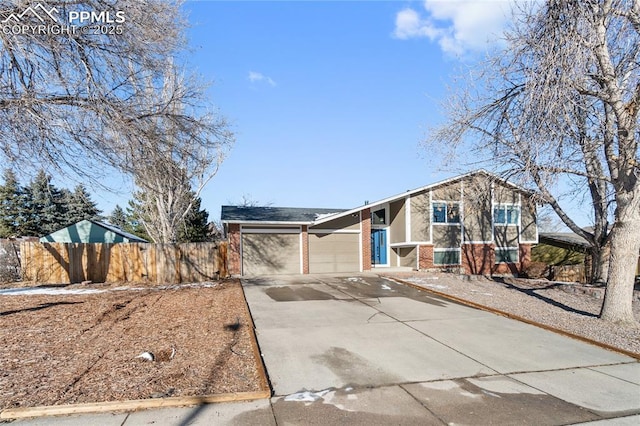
(506,236)
(407,256)
(505,195)
(477,209)
(397,221)
(446,236)
(450,192)
(350,222)
(420,217)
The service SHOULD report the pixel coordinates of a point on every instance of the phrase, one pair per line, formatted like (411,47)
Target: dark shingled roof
(273,214)
(568,239)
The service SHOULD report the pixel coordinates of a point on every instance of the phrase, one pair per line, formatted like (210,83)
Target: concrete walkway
(359,349)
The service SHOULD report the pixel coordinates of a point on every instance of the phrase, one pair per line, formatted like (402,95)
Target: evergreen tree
(79,205)
(10,206)
(45,210)
(135,216)
(195,228)
(119,218)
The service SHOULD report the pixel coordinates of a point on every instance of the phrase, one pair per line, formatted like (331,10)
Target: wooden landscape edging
(132,405)
(516,317)
(257,353)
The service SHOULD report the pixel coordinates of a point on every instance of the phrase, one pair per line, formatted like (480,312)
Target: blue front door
(379,246)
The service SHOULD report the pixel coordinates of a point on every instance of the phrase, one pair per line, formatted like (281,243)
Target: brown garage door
(335,252)
(270,253)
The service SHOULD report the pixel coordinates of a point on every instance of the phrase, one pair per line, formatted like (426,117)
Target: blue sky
(329,99)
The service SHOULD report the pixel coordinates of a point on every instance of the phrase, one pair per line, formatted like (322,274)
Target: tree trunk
(599,265)
(625,246)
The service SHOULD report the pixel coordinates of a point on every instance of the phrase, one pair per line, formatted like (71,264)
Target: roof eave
(422,188)
(264,222)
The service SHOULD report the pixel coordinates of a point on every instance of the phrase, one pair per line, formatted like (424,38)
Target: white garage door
(266,252)
(335,252)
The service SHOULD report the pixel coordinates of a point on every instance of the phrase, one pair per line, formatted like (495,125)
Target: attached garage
(267,251)
(334,252)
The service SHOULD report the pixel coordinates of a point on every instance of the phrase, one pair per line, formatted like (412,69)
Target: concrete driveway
(361,349)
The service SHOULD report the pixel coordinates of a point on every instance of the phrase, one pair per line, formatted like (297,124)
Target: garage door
(336,252)
(268,253)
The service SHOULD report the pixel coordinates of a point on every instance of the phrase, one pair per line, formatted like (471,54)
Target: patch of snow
(353,279)
(423,283)
(62,291)
(469,394)
(444,385)
(385,287)
(49,291)
(306,396)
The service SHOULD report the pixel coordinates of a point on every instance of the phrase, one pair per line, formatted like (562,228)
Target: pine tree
(119,218)
(10,206)
(79,205)
(135,216)
(195,228)
(45,212)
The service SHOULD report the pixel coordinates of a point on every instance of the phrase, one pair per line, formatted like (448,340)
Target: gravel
(570,307)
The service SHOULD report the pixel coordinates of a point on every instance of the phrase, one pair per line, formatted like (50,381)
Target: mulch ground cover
(77,348)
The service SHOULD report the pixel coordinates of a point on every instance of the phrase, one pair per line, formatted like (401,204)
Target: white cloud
(458,26)
(410,25)
(256,77)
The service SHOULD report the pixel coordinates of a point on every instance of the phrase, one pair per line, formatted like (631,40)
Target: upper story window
(506,214)
(379,217)
(446,212)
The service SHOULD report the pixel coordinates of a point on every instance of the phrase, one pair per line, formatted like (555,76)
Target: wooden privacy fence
(123,262)
(569,273)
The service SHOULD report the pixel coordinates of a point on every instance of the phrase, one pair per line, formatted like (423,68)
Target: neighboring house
(476,223)
(574,242)
(91,231)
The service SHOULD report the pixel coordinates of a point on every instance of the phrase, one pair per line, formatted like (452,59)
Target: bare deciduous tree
(90,103)
(186,151)
(557,107)
(65,97)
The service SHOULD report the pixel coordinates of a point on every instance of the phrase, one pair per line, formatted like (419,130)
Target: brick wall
(365,220)
(478,259)
(233,234)
(425,257)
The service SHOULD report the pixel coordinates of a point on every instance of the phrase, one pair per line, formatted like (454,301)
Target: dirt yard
(77,347)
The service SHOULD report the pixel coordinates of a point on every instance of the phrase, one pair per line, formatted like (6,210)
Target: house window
(379,217)
(446,257)
(446,212)
(506,214)
(507,255)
